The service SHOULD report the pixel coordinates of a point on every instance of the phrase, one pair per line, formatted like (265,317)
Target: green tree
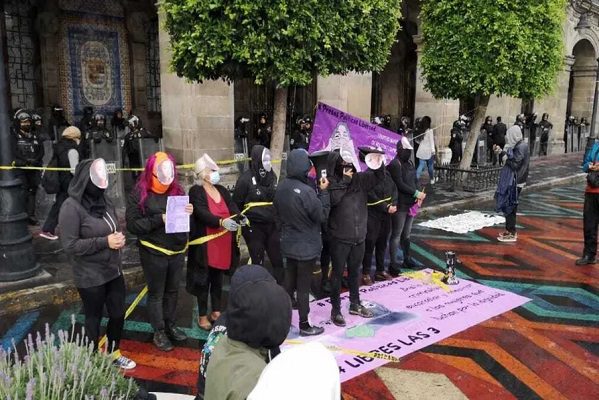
(286,42)
(475,48)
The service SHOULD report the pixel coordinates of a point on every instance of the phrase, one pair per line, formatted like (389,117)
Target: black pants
(163,274)
(510,219)
(261,238)
(376,241)
(544,146)
(325,259)
(341,254)
(400,238)
(52,218)
(214,288)
(298,278)
(590,223)
(111,294)
(30,181)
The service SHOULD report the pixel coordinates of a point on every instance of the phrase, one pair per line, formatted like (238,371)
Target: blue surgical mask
(214,177)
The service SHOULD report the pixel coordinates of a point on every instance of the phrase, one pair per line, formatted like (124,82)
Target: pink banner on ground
(335,129)
(410,314)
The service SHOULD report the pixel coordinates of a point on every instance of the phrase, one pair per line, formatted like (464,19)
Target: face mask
(98,173)
(404,154)
(93,191)
(266,160)
(214,177)
(163,174)
(262,172)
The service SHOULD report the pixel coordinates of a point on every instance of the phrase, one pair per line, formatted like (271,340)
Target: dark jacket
(202,218)
(61,152)
(300,210)
(84,237)
(519,162)
(349,211)
(499,131)
(28,151)
(147,224)
(299,140)
(382,191)
(404,177)
(251,187)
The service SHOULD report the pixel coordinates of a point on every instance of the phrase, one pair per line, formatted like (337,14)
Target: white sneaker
(433,181)
(48,235)
(123,362)
(508,238)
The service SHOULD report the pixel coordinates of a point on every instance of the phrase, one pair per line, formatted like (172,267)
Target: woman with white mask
(212,211)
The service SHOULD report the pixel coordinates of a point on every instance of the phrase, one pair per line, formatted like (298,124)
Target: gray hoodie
(84,237)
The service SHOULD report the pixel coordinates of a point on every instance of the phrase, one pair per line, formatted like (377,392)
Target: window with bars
(153,68)
(22,52)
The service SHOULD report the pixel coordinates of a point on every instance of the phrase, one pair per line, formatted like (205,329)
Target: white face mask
(98,173)
(374,160)
(266,161)
(165,172)
(214,177)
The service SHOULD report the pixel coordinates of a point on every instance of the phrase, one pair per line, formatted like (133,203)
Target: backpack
(50,178)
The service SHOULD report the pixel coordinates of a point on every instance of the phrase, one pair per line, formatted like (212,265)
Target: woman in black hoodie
(91,237)
(404,175)
(258,184)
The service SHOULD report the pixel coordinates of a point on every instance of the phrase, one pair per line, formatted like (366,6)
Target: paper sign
(177,220)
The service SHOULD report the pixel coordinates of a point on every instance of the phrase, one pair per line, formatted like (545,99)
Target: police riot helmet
(134,122)
(23,120)
(36,119)
(99,119)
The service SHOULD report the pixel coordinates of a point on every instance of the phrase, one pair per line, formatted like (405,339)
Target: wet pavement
(546,349)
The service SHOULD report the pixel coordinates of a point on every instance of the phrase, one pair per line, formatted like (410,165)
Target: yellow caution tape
(139,297)
(163,250)
(435,278)
(380,356)
(376,203)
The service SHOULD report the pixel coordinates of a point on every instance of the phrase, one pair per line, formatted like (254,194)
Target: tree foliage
(484,47)
(283,41)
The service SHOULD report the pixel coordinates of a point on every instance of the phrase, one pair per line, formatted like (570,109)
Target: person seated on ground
(258,319)
(308,371)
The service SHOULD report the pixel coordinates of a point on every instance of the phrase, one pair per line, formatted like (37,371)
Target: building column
(196,118)
(556,105)
(442,111)
(351,93)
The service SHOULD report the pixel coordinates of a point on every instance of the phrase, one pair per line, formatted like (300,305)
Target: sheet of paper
(177,220)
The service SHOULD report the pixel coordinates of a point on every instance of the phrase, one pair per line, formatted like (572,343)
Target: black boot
(359,309)
(586,260)
(337,318)
(175,333)
(162,341)
(307,330)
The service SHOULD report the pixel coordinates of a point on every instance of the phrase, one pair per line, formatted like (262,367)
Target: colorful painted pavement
(546,349)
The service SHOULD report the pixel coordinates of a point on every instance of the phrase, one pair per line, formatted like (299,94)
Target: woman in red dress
(212,209)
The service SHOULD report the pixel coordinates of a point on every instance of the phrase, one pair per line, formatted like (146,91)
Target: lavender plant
(61,368)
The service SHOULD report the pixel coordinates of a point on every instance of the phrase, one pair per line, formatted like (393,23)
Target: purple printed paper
(177,220)
(410,314)
(335,129)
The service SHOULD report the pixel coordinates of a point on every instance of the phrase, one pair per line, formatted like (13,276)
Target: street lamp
(593,133)
(17,260)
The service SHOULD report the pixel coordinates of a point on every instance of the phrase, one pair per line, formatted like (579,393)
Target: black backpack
(50,178)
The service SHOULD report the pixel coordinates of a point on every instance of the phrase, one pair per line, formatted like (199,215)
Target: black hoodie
(300,210)
(403,174)
(84,237)
(349,210)
(252,186)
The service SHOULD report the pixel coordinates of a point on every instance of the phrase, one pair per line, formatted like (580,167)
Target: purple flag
(335,129)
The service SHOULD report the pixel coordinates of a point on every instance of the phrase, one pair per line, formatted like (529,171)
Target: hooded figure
(455,143)
(258,319)
(302,213)
(348,219)
(256,185)
(545,127)
(91,237)
(307,371)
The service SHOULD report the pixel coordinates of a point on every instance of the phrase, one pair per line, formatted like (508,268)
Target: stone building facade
(112,54)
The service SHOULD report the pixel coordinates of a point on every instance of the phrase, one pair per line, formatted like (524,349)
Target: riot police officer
(455,142)
(545,126)
(263,131)
(85,126)
(29,152)
(300,138)
(98,131)
(131,147)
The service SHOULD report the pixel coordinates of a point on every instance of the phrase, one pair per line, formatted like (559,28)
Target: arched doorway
(580,95)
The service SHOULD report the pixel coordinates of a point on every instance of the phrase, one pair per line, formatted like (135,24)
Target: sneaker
(48,235)
(123,362)
(367,280)
(175,334)
(382,276)
(337,318)
(162,341)
(508,238)
(433,181)
(359,309)
(311,331)
(586,260)
(502,234)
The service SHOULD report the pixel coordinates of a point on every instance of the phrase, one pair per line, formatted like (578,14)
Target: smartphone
(323,174)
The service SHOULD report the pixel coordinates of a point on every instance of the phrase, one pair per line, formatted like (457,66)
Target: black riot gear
(263,131)
(300,138)
(98,131)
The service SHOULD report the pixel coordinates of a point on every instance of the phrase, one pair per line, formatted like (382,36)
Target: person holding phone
(301,212)
(91,237)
